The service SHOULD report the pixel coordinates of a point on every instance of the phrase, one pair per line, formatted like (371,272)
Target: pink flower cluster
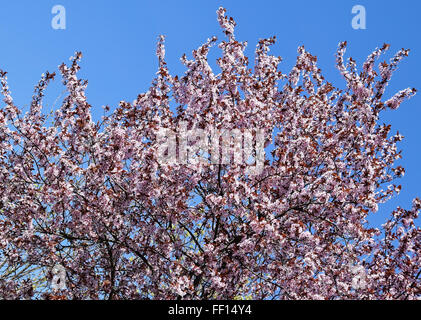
(94,198)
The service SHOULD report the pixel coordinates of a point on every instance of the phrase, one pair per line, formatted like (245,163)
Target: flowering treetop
(94,197)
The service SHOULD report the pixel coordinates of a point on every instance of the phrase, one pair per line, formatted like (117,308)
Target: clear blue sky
(118,41)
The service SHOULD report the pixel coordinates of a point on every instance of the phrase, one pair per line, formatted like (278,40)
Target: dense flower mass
(93,197)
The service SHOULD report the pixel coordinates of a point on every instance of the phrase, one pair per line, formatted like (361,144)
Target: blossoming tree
(94,198)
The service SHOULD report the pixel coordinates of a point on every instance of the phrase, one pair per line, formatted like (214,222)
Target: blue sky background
(118,40)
